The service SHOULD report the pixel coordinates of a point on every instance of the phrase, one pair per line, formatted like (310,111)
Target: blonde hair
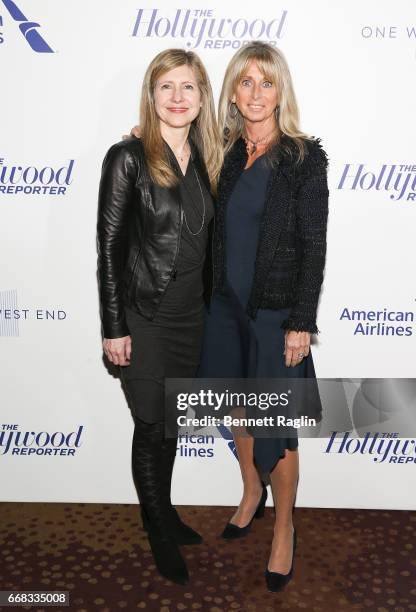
(272,63)
(204,130)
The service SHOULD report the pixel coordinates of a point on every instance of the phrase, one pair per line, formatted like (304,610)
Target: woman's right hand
(118,350)
(135,131)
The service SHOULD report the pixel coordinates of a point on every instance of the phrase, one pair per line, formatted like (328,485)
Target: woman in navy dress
(269,255)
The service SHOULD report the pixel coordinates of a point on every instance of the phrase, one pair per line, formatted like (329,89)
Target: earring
(232,110)
(276,111)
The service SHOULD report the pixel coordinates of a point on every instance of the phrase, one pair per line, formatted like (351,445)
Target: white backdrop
(66,97)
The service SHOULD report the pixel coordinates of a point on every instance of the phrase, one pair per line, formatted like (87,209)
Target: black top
(184,294)
(194,198)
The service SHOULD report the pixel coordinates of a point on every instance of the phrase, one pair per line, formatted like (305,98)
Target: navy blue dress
(234,345)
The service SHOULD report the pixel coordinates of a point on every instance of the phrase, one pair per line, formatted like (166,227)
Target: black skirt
(159,351)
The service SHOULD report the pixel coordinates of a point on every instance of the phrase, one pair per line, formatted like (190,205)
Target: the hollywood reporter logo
(34,180)
(27,443)
(381,447)
(398,180)
(203,28)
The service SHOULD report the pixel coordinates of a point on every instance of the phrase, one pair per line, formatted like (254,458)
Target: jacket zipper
(136,262)
(174,271)
(212,256)
(134,268)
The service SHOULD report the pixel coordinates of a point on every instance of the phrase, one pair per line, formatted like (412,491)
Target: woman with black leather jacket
(154,225)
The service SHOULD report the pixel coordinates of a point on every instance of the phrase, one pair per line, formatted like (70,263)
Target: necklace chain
(182,157)
(201,192)
(203,209)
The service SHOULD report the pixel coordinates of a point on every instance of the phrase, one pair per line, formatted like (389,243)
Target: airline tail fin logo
(28,28)
(228,436)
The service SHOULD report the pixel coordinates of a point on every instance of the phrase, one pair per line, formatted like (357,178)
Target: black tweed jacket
(292,243)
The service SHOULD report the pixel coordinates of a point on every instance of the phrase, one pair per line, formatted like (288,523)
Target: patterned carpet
(346,560)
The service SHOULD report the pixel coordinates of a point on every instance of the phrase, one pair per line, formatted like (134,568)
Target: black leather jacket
(138,231)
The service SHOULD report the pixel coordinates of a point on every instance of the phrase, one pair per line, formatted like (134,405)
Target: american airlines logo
(28,28)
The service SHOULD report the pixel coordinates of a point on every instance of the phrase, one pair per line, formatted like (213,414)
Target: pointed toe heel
(233,532)
(276,582)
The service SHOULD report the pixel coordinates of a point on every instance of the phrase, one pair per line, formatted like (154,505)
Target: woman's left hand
(296,347)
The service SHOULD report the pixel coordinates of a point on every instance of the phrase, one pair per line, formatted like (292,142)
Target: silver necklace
(203,204)
(184,155)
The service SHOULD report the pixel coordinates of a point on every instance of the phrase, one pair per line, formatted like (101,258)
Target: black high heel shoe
(276,582)
(233,532)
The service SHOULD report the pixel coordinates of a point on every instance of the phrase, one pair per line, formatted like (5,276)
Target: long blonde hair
(273,65)
(204,130)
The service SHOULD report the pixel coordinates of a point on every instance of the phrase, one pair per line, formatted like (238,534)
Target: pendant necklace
(183,156)
(254,143)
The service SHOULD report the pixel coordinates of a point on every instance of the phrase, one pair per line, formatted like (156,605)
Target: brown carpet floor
(346,560)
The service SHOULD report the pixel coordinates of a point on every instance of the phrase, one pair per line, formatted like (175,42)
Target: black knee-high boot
(183,534)
(146,464)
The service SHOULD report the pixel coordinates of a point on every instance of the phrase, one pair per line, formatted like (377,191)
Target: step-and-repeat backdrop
(70,85)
